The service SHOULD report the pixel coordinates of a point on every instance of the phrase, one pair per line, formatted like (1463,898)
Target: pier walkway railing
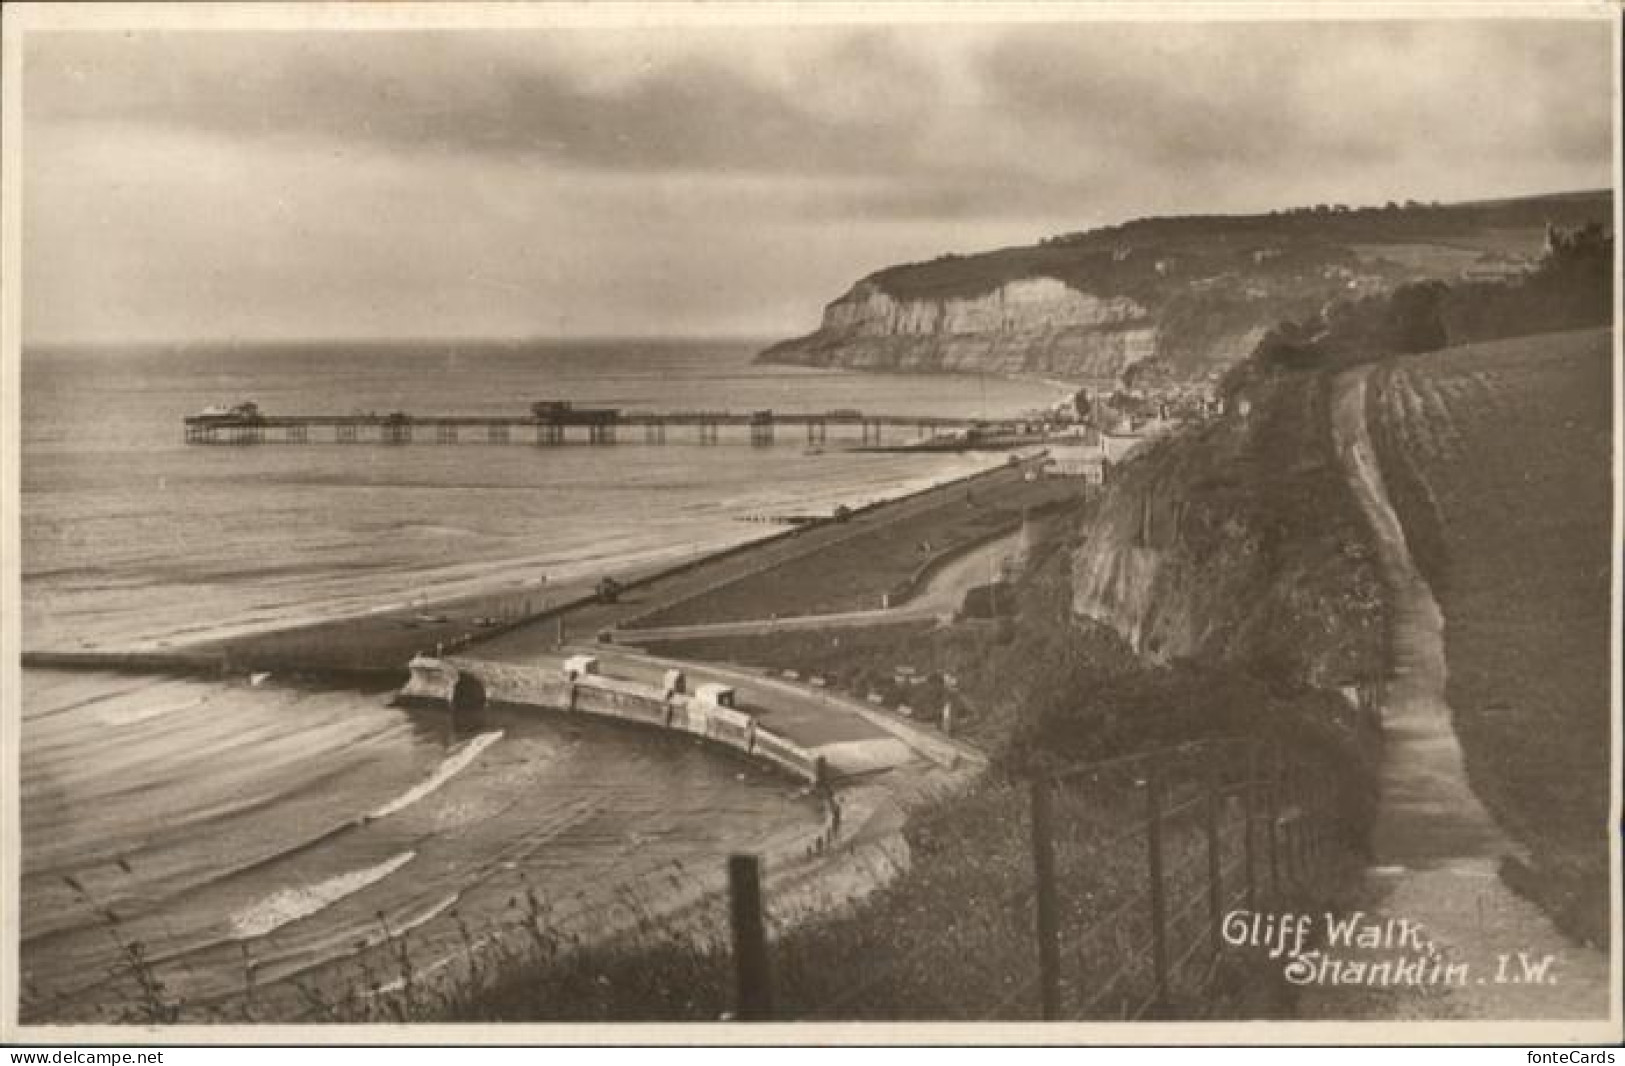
(700,427)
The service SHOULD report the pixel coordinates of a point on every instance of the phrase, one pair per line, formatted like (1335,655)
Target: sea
(253,840)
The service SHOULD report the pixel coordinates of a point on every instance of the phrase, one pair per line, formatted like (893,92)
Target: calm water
(225,823)
(131,539)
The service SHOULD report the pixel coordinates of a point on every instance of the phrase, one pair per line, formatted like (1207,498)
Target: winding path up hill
(1438,851)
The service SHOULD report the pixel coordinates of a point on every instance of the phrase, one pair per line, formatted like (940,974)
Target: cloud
(1238,100)
(433,182)
(570,97)
(1016,111)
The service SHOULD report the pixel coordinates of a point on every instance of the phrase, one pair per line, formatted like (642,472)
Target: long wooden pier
(598,427)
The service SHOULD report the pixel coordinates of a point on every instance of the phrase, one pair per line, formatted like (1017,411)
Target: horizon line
(382,340)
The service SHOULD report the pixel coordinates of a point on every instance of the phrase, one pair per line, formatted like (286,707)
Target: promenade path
(1437,850)
(941,597)
(585,619)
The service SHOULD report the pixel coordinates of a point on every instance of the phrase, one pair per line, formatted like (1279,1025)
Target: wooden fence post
(1215,885)
(753,996)
(1323,825)
(1295,832)
(1248,815)
(1159,930)
(1272,813)
(1049,959)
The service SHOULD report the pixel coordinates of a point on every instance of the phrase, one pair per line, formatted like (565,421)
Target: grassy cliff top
(1145,258)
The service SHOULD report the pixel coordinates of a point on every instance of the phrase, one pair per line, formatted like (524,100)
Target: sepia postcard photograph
(712,523)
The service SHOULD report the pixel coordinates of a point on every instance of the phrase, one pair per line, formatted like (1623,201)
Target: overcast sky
(720,181)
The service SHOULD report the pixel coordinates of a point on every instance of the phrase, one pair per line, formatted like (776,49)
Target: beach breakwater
(467,684)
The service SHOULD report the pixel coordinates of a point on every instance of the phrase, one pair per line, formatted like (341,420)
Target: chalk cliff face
(1030,325)
(1174,299)
(1031,303)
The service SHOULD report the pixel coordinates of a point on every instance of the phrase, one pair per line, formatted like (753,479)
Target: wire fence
(1113,908)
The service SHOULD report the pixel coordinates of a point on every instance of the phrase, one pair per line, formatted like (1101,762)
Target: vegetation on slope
(1239,541)
(1302,240)
(1571,287)
(1210,284)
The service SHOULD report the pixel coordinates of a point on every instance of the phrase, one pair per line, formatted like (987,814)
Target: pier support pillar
(445,434)
(344,432)
(497,434)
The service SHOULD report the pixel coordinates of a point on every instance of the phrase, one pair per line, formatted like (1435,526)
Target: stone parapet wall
(436,680)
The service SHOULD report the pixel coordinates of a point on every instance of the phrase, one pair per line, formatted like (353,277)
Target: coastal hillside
(1178,299)
(1237,538)
(1238,541)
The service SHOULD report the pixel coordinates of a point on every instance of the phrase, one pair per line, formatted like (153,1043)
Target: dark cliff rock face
(1239,541)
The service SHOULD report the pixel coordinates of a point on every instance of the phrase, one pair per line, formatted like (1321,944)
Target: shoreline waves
(305,819)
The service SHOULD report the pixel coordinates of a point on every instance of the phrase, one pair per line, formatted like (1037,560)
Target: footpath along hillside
(1438,852)
(1498,460)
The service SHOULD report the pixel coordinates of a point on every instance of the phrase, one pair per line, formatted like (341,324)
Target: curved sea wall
(817,872)
(446,681)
